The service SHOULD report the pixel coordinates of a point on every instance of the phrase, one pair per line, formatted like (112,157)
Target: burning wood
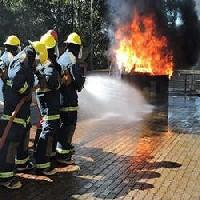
(140,49)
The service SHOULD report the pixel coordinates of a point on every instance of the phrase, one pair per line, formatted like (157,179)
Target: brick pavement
(125,160)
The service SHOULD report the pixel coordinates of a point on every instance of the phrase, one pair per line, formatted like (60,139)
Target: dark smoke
(189,33)
(198,7)
(175,19)
(122,11)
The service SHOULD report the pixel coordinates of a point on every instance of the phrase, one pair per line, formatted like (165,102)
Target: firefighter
(53,52)
(72,81)
(48,98)
(50,40)
(12,47)
(55,35)
(20,81)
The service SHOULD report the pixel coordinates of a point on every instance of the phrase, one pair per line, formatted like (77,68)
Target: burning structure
(151,38)
(143,55)
(140,49)
(176,22)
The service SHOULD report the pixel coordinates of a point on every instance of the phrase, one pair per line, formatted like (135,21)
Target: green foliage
(29,19)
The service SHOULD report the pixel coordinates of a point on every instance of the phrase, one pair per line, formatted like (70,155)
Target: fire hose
(10,122)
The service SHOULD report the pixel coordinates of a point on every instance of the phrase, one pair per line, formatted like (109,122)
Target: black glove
(41,79)
(4,74)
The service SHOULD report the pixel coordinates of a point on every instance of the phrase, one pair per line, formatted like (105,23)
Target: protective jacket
(48,99)
(5,60)
(48,94)
(53,59)
(20,83)
(69,104)
(69,97)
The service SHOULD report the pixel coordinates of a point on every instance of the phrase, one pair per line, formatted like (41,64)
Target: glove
(41,80)
(66,79)
(4,74)
(43,83)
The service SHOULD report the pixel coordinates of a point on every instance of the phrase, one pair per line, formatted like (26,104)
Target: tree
(32,18)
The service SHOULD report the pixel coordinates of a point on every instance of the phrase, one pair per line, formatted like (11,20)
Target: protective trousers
(37,136)
(22,156)
(45,143)
(67,129)
(11,148)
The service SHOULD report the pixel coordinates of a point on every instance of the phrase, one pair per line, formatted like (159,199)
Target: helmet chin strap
(80,53)
(57,51)
(19,49)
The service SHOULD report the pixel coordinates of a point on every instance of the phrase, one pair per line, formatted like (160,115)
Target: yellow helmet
(73,38)
(48,40)
(12,40)
(41,50)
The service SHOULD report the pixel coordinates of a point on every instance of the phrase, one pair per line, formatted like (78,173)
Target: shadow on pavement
(103,174)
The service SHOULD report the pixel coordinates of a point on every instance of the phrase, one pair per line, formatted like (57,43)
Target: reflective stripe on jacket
(69,109)
(50,117)
(16,120)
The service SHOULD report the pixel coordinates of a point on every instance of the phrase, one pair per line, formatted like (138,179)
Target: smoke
(122,11)
(198,7)
(119,11)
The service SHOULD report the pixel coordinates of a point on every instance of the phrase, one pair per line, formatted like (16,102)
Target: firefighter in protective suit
(20,82)
(55,36)
(72,81)
(48,99)
(50,41)
(12,47)
(53,53)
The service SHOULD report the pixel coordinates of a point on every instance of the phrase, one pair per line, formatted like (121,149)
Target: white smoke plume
(121,11)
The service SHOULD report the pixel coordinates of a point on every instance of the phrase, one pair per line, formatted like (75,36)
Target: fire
(140,49)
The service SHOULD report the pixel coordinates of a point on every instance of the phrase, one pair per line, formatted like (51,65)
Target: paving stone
(127,160)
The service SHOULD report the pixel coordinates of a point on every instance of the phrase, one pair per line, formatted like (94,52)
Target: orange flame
(140,49)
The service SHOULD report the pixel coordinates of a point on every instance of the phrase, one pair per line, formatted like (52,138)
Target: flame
(140,49)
